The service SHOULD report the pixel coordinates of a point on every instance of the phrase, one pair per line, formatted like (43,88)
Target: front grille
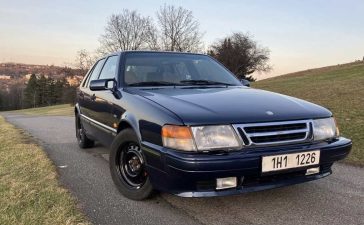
(274,133)
(274,138)
(282,127)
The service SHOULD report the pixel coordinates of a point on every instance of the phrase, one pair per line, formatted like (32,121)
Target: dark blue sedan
(182,123)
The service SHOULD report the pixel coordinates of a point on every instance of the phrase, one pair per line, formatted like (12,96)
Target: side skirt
(101,132)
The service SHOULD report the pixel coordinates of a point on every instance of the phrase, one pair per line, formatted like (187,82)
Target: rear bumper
(194,175)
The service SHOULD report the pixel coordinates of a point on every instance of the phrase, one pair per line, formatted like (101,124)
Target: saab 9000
(184,124)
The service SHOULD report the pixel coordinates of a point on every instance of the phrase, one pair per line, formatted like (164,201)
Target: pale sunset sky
(301,34)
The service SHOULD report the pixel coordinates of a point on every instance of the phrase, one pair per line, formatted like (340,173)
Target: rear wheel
(82,139)
(127,166)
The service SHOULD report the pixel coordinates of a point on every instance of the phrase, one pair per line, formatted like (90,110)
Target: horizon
(258,78)
(300,35)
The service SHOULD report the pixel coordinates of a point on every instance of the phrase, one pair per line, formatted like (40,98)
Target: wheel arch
(129,121)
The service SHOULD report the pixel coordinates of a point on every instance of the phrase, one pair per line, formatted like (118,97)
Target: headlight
(215,137)
(324,129)
(200,138)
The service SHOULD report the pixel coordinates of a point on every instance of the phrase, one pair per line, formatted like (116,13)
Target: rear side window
(95,73)
(109,70)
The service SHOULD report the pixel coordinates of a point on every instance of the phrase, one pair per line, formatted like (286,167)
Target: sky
(301,34)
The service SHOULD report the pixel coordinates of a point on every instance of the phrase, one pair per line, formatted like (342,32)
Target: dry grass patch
(29,190)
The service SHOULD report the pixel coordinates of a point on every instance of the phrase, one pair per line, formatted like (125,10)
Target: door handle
(93,97)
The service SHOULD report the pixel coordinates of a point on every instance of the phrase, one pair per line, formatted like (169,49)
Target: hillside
(51,85)
(15,73)
(18,70)
(339,88)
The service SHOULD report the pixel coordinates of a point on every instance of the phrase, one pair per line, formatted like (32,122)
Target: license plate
(289,161)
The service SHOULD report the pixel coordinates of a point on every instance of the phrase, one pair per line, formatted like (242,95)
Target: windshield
(156,69)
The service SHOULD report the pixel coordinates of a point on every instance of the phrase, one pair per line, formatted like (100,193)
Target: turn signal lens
(178,137)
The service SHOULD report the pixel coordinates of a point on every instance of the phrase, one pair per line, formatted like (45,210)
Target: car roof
(150,51)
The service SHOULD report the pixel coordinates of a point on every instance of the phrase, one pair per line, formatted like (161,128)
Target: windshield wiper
(153,83)
(204,82)
(182,83)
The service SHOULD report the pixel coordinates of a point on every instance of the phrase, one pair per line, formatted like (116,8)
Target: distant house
(5,77)
(27,77)
(75,80)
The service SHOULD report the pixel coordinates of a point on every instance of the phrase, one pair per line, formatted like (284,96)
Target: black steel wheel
(127,166)
(131,165)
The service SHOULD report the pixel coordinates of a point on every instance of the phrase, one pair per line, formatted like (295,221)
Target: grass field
(29,190)
(56,110)
(339,88)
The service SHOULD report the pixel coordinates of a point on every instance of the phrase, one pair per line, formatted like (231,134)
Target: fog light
(312,170)
(224,183)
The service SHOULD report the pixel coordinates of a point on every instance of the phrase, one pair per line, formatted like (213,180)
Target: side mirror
(102,85)
(245,82)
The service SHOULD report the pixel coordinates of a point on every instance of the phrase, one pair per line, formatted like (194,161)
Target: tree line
(37,92)
(176,29)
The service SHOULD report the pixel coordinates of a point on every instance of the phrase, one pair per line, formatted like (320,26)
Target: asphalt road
(337,199)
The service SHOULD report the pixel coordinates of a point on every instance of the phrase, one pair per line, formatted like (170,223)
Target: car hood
(227,105)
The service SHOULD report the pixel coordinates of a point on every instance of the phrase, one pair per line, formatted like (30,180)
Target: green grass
(338,88)
(55,110)
(29,190)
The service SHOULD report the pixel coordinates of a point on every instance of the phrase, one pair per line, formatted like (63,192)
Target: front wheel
(127,166)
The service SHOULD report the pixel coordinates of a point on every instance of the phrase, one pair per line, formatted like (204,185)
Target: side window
(87,77)
(109,69)
(95,73)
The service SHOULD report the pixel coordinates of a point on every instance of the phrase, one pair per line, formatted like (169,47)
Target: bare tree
(153,39)
(179,31)
(84,60)
(128,31)
(241,55)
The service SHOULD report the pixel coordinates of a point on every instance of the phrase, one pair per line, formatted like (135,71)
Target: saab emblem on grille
(270,113)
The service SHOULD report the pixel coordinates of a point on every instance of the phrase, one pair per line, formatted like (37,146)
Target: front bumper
(194,174)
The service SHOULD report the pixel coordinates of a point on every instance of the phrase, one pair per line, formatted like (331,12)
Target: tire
(127,167)
(82,139)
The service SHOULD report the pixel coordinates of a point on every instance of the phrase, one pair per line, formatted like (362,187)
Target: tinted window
(95,73)
(109,69)
(174,68)
(85,80)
